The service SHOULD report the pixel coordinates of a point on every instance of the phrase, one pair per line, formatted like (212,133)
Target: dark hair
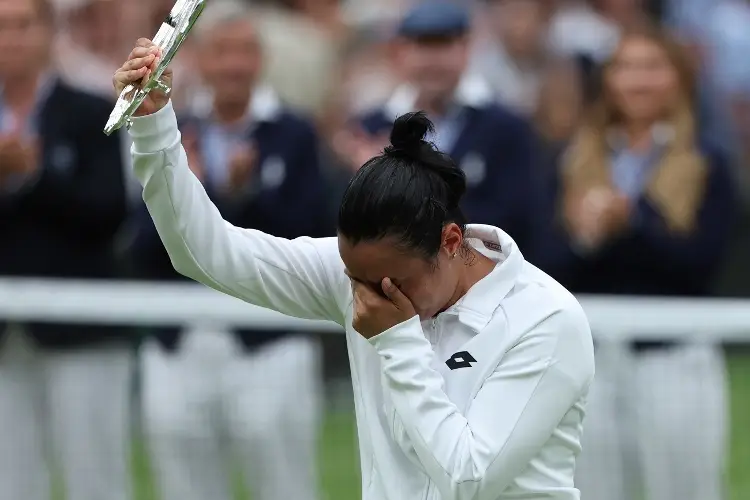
(409,192)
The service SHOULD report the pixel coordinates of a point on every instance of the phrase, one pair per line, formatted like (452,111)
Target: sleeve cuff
(403,334)
(155,132)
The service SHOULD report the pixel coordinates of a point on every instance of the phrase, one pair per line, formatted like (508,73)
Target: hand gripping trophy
(169,38)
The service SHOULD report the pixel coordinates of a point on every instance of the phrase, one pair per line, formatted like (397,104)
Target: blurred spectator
(365,79)
(259,389)
(592,27)
(367,75)
(513,57)
(62,200)
(726,43)
(645,209)
(88,47)
(95,35)
(724,46)
(326,14)
(734,279)
(366,12)
(687,16)
(299,49)
(493,146)
(712,31)
(89,43)
(559,108)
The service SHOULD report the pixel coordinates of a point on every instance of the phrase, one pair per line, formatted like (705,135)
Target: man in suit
(491,144)
(62,200)
(261,389)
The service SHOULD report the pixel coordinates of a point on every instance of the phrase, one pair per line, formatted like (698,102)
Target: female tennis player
(470,366)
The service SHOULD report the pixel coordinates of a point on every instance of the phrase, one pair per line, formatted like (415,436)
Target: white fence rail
(159,304)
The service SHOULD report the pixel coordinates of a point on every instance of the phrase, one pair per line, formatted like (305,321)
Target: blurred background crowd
(609,138)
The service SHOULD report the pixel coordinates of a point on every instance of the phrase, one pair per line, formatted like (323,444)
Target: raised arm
(298,277)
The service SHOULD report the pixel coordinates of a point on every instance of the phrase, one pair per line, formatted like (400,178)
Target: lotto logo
(460,360)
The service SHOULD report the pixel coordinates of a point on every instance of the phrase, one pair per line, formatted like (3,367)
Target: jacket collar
(472,92)
(264,106)
(476,308)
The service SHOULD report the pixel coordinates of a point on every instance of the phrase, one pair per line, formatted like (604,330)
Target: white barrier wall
(156,304)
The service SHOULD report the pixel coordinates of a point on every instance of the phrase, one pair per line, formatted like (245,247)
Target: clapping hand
(374,312)
(18,156)
(241,165)
(600,214)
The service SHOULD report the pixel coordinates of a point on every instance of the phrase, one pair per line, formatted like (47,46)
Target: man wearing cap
(491,144)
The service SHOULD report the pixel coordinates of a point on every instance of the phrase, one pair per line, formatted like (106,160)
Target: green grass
(339,465)
(739,458)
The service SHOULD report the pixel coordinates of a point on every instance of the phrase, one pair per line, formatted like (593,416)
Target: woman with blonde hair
(644,208)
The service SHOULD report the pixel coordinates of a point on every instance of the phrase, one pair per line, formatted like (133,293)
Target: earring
(453,256)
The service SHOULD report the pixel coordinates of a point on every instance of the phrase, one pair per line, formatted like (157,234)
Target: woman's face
(642,82)
(429,285)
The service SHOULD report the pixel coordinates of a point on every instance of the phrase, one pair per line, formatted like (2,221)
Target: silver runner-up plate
(169,38)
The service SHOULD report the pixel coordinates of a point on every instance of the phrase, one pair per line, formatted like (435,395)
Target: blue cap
(437,18)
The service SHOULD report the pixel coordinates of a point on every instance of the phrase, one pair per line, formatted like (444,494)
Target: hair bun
(408,142)
(409,131)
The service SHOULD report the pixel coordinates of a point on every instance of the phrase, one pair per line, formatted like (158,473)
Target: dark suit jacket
(64,223)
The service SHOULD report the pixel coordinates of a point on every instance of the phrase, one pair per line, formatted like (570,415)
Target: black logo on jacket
(460,360)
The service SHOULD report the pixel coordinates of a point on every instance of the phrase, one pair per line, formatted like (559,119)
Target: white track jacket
(483,402)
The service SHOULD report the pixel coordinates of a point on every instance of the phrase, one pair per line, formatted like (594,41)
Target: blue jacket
(496,150)
(648,259)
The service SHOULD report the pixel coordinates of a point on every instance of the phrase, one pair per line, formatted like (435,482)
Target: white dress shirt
(504,423)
